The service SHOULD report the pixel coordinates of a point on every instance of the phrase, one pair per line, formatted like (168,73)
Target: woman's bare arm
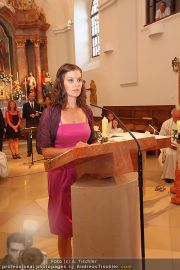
(51,152)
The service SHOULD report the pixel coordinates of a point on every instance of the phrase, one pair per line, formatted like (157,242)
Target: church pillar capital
(36,43)
(20,43)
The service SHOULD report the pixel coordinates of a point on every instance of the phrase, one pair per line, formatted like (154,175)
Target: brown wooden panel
(143,115)
(97,121)
(161,115)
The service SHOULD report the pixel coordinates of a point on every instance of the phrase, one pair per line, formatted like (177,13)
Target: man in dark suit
(31,112)
(2,129)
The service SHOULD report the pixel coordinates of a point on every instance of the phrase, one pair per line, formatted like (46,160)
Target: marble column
(44,58)
(38,69)
(22,68)
(178,83)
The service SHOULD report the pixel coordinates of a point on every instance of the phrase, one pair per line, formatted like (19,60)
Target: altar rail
(136,116)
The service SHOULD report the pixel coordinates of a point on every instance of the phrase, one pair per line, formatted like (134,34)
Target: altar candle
(105,125)
(11,83)
(17,77)
(178,126)
(25,84)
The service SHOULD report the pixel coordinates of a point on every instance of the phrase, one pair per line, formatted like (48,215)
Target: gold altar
(23,42)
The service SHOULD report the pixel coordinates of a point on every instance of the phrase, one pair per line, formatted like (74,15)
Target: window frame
(94,19)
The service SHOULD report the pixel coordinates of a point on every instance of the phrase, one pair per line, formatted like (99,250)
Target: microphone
(140,181)
(154,129)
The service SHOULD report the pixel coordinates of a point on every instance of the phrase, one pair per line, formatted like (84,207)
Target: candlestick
(25,84)
(11,83)
(178,126)
(105,125)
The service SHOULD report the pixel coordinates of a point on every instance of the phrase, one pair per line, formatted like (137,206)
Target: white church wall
(134,67)
(158,44)
(60,37)
(81,33)
(131,44)
(118,59)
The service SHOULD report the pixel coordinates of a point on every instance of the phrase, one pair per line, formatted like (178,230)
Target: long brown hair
(59,94)
(9,107)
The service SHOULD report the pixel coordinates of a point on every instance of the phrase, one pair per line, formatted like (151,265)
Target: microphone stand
(155,131)
(140,182)
(30,131)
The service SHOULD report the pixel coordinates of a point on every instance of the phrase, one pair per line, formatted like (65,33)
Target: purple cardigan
(49,123)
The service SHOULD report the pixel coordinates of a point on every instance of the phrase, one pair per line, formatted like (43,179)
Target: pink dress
(61,179)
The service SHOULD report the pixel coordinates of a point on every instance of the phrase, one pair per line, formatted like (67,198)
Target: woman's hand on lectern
(81,144)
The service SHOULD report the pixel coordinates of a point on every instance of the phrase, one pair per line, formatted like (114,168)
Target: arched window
(95,28)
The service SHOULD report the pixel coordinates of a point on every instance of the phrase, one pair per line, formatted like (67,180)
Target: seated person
(168,156)
(110,118)
(163,11)
(115,129)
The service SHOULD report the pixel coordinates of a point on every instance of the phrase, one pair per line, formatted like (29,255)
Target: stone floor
(23,196)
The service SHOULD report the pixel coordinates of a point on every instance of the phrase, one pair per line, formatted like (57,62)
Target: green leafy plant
(176,135)
(99,136)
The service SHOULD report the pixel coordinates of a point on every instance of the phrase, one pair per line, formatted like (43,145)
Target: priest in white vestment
(168,156)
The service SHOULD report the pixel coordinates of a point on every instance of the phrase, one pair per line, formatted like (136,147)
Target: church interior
(130,65)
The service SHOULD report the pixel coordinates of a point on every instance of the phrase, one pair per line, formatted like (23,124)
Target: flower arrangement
(176,132)
(175,135)
(5,78)
(100,137)
(17,92)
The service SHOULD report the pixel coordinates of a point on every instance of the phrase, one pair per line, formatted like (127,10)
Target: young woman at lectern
(66,124)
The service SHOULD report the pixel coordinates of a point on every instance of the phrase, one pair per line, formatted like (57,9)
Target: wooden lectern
(105,204)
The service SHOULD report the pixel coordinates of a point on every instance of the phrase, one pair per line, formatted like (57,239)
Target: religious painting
(5,65)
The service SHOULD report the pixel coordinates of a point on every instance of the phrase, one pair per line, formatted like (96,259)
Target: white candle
(17,77)
(105,125)
(178,126)
(25,83)
(11,83)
